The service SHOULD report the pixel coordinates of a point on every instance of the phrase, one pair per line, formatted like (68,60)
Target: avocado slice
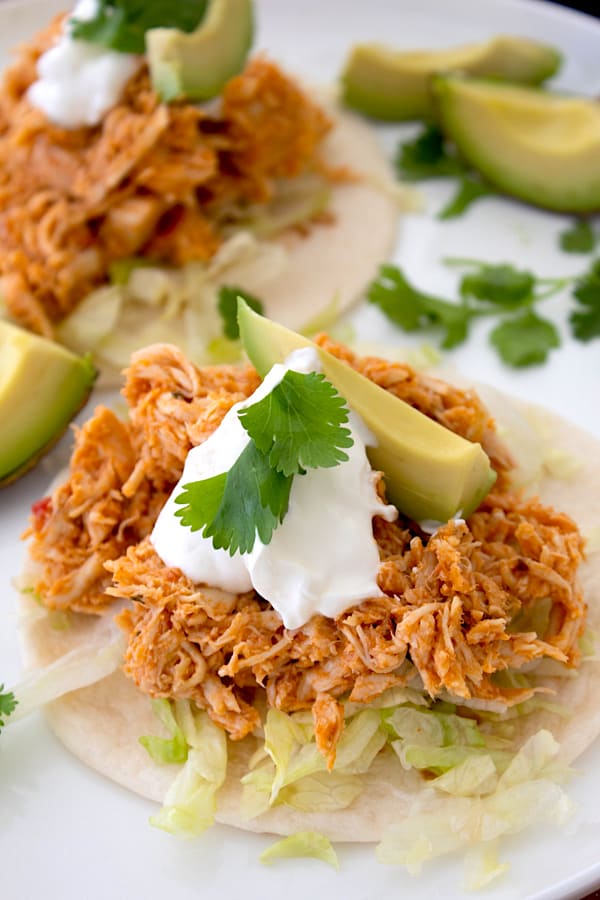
(541,147)
(395,86)
(431,473)
(196,65)
(42,386)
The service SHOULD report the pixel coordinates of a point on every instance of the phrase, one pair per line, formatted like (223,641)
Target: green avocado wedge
(431,473)
(196,65)
(396,85)
(42,386)
(541,147)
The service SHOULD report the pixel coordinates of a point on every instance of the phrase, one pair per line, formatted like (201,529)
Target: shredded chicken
(451,600)
(152,179)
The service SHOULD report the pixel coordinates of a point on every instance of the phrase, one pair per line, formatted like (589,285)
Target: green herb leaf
(578,238)
(525,340)
(470,189)
(427,156)
(298,424)
(501,284)
(587,287)
(585,323)
(8,703)
(228,305)
(412,310)
(122,24)
(232,508)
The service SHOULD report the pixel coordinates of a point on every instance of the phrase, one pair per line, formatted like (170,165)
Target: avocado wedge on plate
(42,386)
(541,147)
(396,85)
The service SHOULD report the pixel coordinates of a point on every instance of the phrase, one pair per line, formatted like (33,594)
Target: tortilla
(101,724)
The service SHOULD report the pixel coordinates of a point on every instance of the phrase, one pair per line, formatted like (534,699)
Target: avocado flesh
(395,86)
(42,386)
(196,65)
(431,473)
(540,147)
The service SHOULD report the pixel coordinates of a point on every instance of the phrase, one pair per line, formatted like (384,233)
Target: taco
(117,234)
(452,686)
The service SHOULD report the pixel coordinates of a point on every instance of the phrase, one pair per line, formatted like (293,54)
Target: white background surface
(66,832)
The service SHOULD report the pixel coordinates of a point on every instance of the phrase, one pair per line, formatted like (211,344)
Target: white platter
(67,833)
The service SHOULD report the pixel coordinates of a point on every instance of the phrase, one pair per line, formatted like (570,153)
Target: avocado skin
(431,473)
(396,86)
(526,161)
(196,65)
(42,387)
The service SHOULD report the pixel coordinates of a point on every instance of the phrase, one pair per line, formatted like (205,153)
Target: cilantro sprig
(430,155)
(8,703)
(485,290)
(298,426)
(122,24)
(585,319)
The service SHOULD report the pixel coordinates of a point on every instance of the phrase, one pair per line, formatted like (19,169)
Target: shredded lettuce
(474,776)
(301,844)
(524,795)
(482,865)
(190,803)
(148,303)
(295,772)
(295,203)
(166,750)
(79,668)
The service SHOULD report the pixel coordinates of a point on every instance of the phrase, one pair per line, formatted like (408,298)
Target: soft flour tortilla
(101,724)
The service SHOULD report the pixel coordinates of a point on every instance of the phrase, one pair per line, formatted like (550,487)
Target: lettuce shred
(527,793)
(173,749)
(81,667)
(148,302)
(190,803)
(302,844)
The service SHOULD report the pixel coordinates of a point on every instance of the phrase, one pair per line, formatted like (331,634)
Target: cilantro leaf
(298,424)
(578,238)
(427,156)
(585,323)
(470,189)
(122,24)
(295,427)
(233,508)
(525,340)
(412,309)
(500,283)
(228,305)
(587,287)
(8,703)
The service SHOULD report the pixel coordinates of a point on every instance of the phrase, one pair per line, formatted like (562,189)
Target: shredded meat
(151,179)
(121,473)
(449,611)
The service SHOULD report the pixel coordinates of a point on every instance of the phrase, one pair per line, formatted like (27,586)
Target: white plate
(66,832)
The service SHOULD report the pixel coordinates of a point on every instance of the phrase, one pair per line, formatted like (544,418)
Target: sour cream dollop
(322,558)
(79,81)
